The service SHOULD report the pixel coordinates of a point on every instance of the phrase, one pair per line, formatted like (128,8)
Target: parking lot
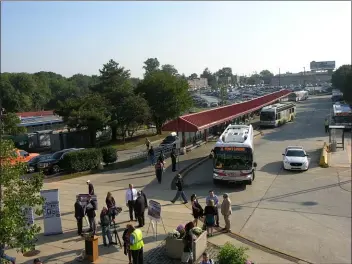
(306,214)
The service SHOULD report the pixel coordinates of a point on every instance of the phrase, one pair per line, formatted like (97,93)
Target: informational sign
(154,210)
(83,198)
(29,215)
(51,212)
(322,65)
(233,149)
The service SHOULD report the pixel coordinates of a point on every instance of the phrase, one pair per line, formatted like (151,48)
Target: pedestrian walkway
(65,248)
(342,158)
(128,153)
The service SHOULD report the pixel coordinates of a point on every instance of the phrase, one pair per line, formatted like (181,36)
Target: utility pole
(304,77)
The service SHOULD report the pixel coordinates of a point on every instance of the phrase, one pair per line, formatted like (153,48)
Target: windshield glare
(267,116)
(295,153)
(233,161)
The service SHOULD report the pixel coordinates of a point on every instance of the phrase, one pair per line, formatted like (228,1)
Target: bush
(82,160)
(109,154)
(229,254)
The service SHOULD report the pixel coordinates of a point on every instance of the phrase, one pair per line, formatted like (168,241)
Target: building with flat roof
(197,83)
(302,78)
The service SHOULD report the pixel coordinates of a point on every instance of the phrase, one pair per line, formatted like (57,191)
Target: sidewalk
(66,247)
(342,158)
(126,154)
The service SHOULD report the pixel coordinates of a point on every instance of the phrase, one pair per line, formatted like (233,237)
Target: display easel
(156,227)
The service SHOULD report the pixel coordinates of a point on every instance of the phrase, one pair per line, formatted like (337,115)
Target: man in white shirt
(131,196)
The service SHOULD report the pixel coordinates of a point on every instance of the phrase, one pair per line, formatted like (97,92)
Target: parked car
(32,164)
(170,141)
(53,165)
(21,156)
(295,158)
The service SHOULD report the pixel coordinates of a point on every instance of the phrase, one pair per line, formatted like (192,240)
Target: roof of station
(209,118)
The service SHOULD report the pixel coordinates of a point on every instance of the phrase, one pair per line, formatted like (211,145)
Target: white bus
(233,155)
(342,115)
(298,96)
(277,114)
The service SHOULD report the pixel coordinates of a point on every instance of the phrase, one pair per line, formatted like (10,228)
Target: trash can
(91,247)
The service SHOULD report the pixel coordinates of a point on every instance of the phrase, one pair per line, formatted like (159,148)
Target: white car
(295,158)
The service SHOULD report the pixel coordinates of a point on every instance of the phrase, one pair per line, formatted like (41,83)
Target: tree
(10,124)
(151,65)
(266,76)
(193,76)
(253,79)
(131,114)
(89,112)
(169,69)
(224,72)
(17,193)
(210,77)
(338,78)
(114,84)
(167,96)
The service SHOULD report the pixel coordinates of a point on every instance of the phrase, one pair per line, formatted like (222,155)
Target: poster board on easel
(154,214)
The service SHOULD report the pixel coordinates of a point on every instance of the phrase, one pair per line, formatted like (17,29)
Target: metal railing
(157,150)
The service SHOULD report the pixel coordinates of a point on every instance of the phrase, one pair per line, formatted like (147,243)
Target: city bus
(342,115)
(277,114)
(298,96)
(233,155)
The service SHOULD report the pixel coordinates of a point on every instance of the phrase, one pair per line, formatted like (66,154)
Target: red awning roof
(33,114)
(209,118)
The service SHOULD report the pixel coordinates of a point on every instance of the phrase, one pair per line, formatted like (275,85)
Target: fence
(157,150)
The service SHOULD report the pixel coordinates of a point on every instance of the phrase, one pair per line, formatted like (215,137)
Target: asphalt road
(306,214)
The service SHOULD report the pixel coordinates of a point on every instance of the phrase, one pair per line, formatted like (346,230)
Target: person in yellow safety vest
(136,245)
(326,124)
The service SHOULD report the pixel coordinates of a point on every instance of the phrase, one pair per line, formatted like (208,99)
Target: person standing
(151,155)
(209,213)
(159,169)
(90,211)
(226,211)
(161,156)
(139,208)
(215,198)
(180,192)
(111,205)
(326,124)
(131,196)
(173,159)
(197,209)
(90,188)
(105,226)
(145,199)
(126,244)
(79,214)
(136,245)
(147,143)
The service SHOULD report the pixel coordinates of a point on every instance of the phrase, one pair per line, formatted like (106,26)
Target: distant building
(197,83)
(39,121)
(301,78)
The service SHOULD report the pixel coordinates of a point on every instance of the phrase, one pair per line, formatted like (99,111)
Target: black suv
(54,163)
(32,164)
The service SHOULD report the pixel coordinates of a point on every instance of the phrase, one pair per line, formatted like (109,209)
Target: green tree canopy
(169,69)
(210,77)
(339,77)
(16,193)
(266,76)
(167,96)
(89,112)
(151,65)
(10,124)
(193,76)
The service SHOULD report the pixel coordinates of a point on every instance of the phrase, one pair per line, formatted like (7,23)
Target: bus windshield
(267,116)
(343,119)
(233,160)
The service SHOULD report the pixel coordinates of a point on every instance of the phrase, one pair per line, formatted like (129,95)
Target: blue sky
(79,37)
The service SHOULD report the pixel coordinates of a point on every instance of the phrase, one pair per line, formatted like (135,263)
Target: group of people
(211,211)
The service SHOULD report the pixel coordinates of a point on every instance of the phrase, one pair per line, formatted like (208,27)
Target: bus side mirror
(255,164)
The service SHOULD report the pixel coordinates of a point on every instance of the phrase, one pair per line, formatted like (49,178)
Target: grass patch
(114,166)
(136,141)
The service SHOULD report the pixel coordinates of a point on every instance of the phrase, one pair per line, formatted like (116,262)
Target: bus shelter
(336,137)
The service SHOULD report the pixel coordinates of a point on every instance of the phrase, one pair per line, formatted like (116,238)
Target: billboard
(322,65)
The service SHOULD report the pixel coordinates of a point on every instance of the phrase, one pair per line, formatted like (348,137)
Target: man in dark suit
(90,188)
(139,208)
(90,211)
(79,214)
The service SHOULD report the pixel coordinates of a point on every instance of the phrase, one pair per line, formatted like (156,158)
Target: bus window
(278,116)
